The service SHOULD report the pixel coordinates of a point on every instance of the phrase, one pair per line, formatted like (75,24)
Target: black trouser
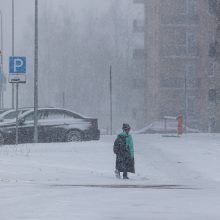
(125,174)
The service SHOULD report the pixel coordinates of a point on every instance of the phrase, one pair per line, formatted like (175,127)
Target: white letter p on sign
(18,63)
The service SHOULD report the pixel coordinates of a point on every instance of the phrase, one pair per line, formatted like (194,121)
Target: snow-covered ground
(176,179)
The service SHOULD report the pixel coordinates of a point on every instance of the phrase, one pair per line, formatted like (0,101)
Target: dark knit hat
(126,126)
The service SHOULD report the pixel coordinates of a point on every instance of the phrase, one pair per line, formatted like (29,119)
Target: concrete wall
(179,67)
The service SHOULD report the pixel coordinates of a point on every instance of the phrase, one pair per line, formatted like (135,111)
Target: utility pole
(110,100)
(2,69)
(13,22)
(36,75)
(185,102)
(13,85)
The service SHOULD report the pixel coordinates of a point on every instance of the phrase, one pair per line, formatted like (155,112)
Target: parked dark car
(4,110)
(10,115)
(54,125)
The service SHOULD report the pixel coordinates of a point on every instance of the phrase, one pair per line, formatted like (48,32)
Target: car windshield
(10,115)
(3,110)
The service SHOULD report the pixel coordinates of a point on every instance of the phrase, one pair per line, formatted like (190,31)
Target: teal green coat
(129,143)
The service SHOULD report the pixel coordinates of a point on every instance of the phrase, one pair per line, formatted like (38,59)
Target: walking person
(124,150)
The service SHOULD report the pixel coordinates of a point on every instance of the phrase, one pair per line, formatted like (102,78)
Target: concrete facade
(181,65)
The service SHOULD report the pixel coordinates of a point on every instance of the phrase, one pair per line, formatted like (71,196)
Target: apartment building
(180,61)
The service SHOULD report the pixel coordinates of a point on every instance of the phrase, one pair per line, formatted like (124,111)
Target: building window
(138,83)
(192,80)
(191,44)
(134,83)
(212,44)
(186,7)
(211,124)
(191,105)
(172,82)
(190,71)
(183,43)
(138,54)
(211,69)
(212,6)
(191,7)
(212,95)
(212,49)
(139,1)
(181,6)
(138,26)
(211,37)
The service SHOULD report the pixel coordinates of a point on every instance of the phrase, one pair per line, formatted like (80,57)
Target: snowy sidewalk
(176,178)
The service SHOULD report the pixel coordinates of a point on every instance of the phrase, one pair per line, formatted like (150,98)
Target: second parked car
(10,115)
(54,125)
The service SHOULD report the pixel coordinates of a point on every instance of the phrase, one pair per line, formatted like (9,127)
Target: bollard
(180,125)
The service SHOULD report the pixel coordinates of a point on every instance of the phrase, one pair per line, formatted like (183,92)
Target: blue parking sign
(17,69)
(17,65)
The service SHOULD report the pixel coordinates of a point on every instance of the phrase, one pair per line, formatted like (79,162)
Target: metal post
(36,74)
(13,84)
(2,72)
(63,99)
(111,100)
(13,21)
(165,125)
(1,38)
(185,89)
(16,142)
(3,101)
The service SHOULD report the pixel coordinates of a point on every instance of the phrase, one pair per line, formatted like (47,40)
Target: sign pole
(17,74)
(16,113)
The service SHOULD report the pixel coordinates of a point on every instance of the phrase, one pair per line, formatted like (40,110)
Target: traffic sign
(17,69)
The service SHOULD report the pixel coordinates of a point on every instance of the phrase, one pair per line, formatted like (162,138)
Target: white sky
(24,9)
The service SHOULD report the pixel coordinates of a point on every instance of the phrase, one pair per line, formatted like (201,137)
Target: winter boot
(117,174)
(125,175)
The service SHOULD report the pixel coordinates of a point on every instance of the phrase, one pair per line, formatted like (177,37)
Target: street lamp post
(36,74)
(12,48)
(185,96)
(13,84)
(1,37)
(2,72)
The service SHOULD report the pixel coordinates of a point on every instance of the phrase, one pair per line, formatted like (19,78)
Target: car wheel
(1,139)
(73,136)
